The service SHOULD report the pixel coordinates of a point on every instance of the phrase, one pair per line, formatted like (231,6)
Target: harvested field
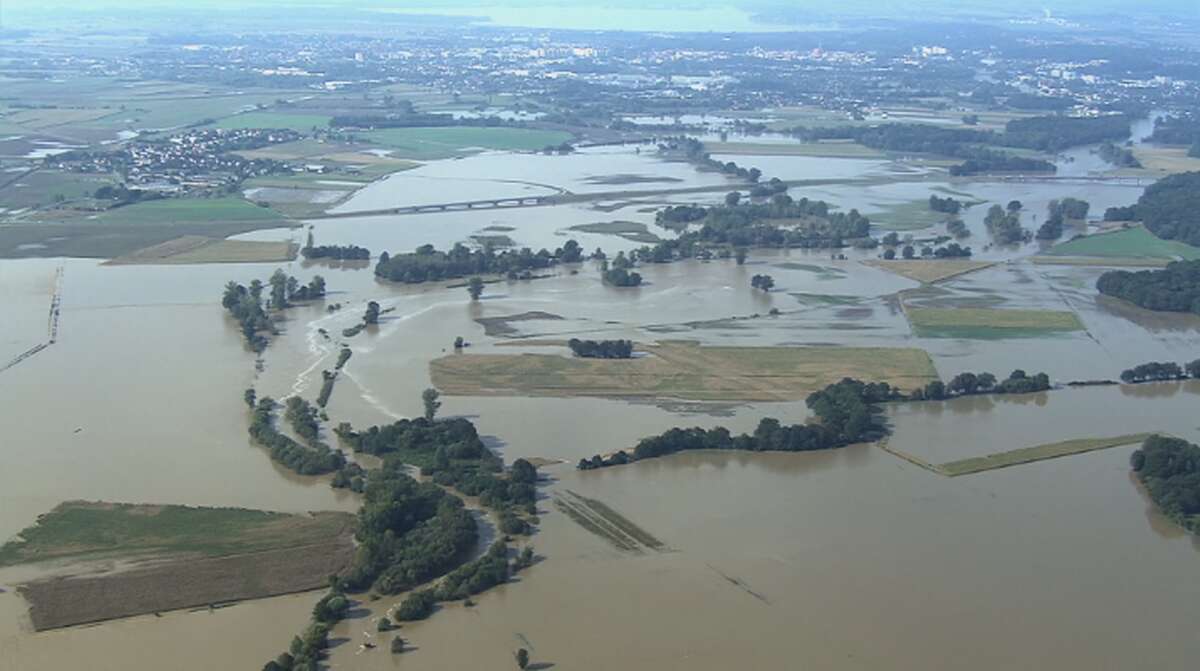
(681,370)
(200,249)
(116,560)
(929,272)
(502,326)
(184,583)
(985,323)
(1027,455)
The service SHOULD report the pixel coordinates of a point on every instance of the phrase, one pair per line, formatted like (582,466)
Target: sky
(733,15)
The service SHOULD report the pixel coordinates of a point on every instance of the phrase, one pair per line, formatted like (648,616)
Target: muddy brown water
(842,560)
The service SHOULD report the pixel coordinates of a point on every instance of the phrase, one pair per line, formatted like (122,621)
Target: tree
(754,174)
(397,645)
(522,471)
(739,255)
(475,287)
(733,198)
(250,397)
(279,289)
(459,343)
(1014,206)
(889,254)
(908,252)
(384,624)
(372,314)
(522,658)
(429,398)
(764,282)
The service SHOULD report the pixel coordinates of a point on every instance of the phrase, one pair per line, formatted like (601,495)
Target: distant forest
(1168,208)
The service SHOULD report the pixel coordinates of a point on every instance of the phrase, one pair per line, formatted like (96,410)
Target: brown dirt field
(184,583)
(929,272)
(679,370)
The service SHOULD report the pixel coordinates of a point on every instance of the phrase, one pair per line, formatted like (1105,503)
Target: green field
(83,530)
(444,142)
(190,210)
(1136,242)
(1027,455)
(988,324)
(297,122)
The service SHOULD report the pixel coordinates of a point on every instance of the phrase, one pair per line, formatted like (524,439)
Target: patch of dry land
(929,271)
(201,249)
(682,370)
(111,560)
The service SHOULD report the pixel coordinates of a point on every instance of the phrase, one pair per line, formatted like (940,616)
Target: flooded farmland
(844,559)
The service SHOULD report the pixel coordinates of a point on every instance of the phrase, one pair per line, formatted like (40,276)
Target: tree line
(1058,212)
(1158,371)
(426,264)
(843,413)
(314,460)
(601,349)
(966,384)
(1175,288)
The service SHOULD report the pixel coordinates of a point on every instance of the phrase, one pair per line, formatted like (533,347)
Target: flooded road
(849,559)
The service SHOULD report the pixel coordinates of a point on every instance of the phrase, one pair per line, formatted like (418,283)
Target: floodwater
(848,559)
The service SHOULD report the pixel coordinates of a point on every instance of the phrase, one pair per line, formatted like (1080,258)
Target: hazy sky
(728,15)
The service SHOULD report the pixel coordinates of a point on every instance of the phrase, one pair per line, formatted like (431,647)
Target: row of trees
(427,264)
(1058,212)
(1158,371)
(1175,288)
(966,384)
(601,349)
(950,251)
(336,252)
(312,460)
(1121,157)
(843,411)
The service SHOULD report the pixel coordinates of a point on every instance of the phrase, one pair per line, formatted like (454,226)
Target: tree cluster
(1005,226)
(601,349)
(336,252)
(764,282)
(946,205)
(429,265)
(1167,207)
(1170,470)
(1175,288)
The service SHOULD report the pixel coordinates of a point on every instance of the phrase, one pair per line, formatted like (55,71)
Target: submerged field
(682,371)
(986,323)
(118,560)
(200,249)
(442,142)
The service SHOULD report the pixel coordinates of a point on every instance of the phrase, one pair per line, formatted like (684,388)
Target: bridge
(1125,180)
(460,206)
